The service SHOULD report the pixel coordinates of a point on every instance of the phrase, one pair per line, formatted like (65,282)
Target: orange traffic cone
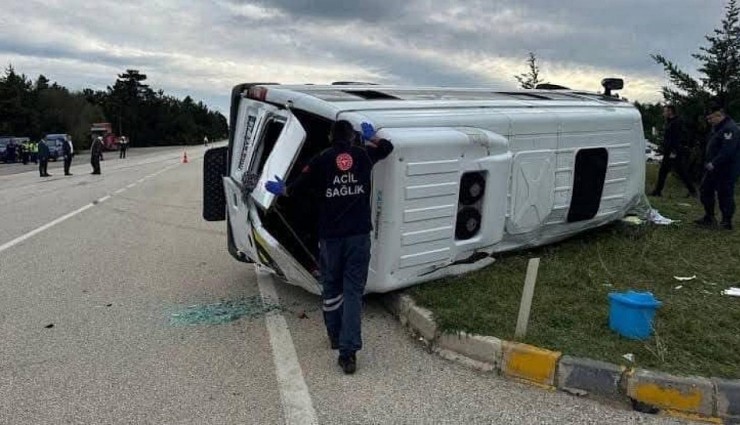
(184,157)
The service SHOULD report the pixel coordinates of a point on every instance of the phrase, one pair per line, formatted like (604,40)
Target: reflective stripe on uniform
(333,300)
(334,307)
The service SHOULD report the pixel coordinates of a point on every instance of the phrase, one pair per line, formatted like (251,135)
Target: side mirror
(611,84)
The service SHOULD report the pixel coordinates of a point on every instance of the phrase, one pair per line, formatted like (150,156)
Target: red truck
(105,130)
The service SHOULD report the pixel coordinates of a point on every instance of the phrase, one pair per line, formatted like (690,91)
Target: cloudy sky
(204,47)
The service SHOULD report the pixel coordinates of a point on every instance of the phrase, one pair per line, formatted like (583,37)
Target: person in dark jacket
(68,152)
(341,175)
(96,152)
(122,145)
(43,158)
(722,168)
(673,153)
(10,152)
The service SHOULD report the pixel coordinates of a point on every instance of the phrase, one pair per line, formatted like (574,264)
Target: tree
(719,66)
(652,117)
(41,83)
(531,78)
(17,113)
(148,117)
(719,79)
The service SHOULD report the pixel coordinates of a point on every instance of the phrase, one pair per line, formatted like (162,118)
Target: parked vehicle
(105,131)
(651,153)
(473,172)
(55,142)
(4,142)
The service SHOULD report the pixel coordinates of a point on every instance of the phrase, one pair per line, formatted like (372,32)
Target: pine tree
(531,78)
(718,79)
(720,66)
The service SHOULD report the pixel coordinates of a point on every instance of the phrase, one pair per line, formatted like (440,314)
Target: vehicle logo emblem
(344,161)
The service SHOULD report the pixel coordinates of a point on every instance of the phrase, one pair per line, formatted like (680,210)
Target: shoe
(68,174)
(726,224)
(348,364)
(94,172)
(706,221)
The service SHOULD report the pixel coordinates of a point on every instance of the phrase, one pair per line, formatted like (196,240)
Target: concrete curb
(696,398)
(530,363)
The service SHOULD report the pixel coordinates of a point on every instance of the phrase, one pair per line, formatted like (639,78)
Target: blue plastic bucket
(631,313)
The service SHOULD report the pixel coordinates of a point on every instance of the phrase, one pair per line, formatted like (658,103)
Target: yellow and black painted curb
(695,398)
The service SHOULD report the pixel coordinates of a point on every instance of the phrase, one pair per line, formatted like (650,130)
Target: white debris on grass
(655,218)
(630,357)
(733,292)
(684,279)
(633,220)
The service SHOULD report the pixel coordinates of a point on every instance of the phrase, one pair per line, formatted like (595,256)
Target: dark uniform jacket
(43,150)
(723,149)
(341,175)
(673,137)
(96,149)
(66,149)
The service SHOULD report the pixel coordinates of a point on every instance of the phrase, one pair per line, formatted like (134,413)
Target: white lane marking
(50,224)
(121,190)
(44,227)
(294,395)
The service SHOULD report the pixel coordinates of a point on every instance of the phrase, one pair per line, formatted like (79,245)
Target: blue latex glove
(368,132)
(276,187)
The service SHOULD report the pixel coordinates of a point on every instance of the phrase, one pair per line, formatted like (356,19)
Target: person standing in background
(673,153)
(67,151)
(43,159)
(96,151)
(722,167)
(123,145)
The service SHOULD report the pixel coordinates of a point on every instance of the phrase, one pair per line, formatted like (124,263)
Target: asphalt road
(112,261)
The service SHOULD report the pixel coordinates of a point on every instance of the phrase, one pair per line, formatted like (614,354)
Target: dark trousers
(676,165)
(344,263)
(95,162)
(67,163)
(42,167)
(123,153)
(721,184)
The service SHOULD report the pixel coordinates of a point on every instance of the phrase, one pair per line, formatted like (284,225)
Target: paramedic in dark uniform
(342,176)
(722,168)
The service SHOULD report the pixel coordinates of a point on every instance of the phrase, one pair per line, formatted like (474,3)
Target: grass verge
(697,331)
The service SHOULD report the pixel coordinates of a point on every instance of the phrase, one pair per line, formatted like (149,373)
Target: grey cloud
(419,36)
(619,34)
(365,10)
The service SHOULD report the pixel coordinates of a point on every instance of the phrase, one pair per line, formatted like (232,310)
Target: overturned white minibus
(474,172)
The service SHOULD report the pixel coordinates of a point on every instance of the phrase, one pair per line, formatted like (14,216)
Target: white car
(651,153)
